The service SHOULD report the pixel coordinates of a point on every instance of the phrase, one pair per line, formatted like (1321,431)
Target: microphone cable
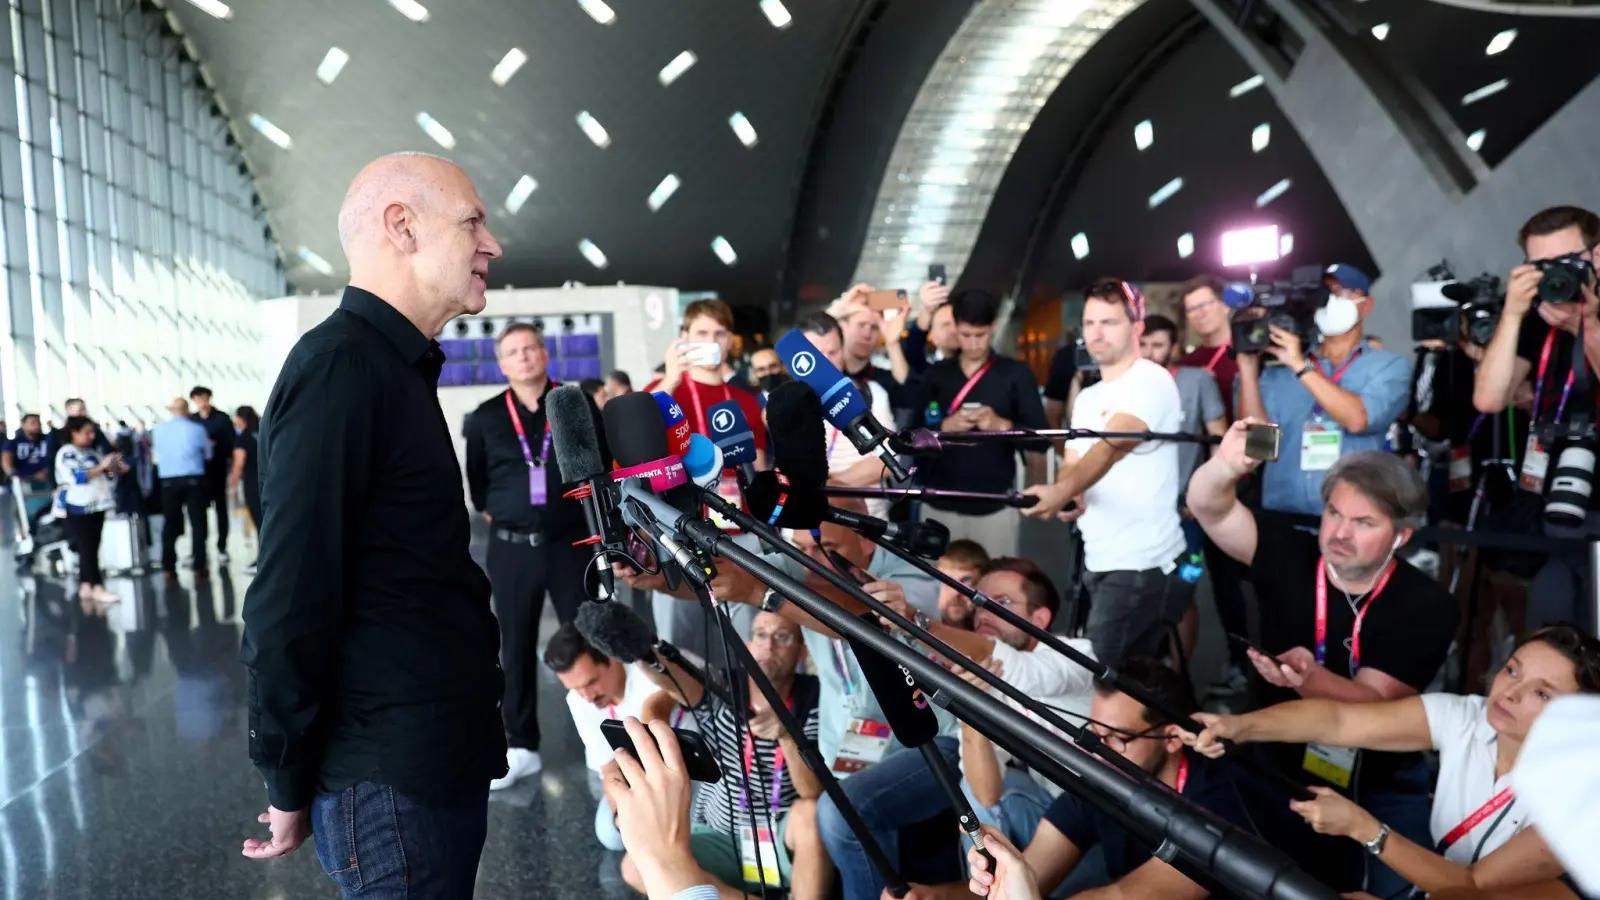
(741,726)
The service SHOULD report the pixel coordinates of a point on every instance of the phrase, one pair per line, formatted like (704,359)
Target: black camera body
(1564,278)
(1290,305)
(1477,316)
(1085,364)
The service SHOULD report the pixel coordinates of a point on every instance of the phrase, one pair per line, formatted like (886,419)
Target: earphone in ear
(1398,539)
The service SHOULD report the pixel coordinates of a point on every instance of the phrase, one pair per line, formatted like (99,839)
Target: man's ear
(399,226)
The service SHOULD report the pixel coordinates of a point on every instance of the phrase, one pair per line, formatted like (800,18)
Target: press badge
(748,847)
(1335,765)
(727,489)
(1319,447)
(865,743)
(1460,469)
(538,491)
(1535,464)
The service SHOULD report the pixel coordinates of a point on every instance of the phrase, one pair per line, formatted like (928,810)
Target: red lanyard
(694,401)
(1183,771)
(611,711)
(1337,374)
(776,800)
(1355,630)
(1538,381)
(971,383)
(1495,804)
(832,441)
(522,436)
(1212,366)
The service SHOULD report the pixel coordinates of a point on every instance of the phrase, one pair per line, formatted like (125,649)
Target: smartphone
(972,406)
(697,757)
(885,300)
(1261,442)
(936,273)
(1243,641)
(703,353)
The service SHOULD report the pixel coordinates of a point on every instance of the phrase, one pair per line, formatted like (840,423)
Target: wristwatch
(921,619)
(771,601)
(1375,846)
(1305,369)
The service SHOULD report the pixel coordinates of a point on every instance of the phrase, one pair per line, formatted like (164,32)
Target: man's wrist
(1365,828)
(673,875)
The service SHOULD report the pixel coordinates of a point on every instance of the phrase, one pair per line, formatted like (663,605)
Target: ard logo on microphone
(722,421)
(802,364)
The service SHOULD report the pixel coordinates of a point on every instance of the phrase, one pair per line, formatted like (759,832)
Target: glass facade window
(132,246)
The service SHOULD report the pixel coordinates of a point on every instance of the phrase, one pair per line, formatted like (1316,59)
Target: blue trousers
(378,844)
(896,792)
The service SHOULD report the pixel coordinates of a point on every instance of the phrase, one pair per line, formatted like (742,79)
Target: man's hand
(1053,499)
(1332,813)
(1289,670)
(735,585)
(933,295)
(1521,287)
(637,580)
(1011,880)
(1285,348)
(957,421)
(650,793)
(1249,364)
(490,519)
(890,594)
(677,360)
(1231,450)
(1208,743)
(987,419)
(764,723)
(289,831)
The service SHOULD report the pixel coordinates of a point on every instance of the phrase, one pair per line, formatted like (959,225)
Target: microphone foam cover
(803,505)
(799,445)
(702,458)
(903,703)
(616,630)
(678,427)
(573,437)
(731,432)
(634,430)
(842,402)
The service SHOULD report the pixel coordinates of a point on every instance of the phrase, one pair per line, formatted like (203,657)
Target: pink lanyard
(1355,630)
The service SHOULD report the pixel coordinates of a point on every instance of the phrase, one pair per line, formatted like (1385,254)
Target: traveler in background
(26,454)
(846,465)
(864,330)
(219,427)
(766,367)
(85,476)
(618,383)
(934,326)
(978,390)
(183,451)
(1211,329)
(596,389)
(60,438)
(246,471)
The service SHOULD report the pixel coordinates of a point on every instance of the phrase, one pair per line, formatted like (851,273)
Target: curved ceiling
(263,61)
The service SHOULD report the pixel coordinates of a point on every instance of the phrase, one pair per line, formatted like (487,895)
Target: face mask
(768,383)
(1339,316)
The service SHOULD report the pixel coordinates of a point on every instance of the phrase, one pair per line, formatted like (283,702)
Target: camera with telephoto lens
(1572,477)
(1290,305)
(1564,278)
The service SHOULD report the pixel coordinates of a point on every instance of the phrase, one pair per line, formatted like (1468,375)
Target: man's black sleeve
(316,448)
(914,344)
(477,463)
(1062,367)
(1030,409)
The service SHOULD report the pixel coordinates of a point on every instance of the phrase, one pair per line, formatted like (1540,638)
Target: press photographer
(1550,305)
(1340,398)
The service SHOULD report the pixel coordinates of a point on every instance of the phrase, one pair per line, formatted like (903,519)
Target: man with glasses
(1212,332)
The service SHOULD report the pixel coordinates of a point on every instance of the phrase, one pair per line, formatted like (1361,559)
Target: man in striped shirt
(743,835)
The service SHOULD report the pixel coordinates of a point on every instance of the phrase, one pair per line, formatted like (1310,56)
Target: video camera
(1443,308)
(1290,305)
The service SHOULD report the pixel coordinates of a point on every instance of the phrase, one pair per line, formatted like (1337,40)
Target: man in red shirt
(694,378)
(1211,330)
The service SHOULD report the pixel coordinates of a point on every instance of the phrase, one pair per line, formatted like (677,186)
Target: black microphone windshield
(634,429)
(903,702)
(616,630)
(795,427)
(798,504)
(573,437)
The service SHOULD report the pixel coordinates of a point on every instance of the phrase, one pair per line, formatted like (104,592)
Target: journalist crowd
(1404,596)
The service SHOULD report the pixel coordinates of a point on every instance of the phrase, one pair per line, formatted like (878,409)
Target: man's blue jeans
(1023,802)
(898,791)
(378,844)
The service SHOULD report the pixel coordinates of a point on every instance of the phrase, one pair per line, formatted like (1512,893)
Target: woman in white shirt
(84,476)
(1478,828)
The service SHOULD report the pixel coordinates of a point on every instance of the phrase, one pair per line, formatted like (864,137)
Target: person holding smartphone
(85,475)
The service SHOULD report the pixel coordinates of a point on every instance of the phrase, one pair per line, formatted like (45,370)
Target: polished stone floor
(124,771)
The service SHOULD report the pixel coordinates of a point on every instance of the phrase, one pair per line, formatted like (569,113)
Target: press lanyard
(1183,772)
(833,441)
(1494,805)
(1215,357)
(777,773)
(1355,630)
(842,664)
(699,411)
(1538,381)
(522,436)
(1316,408)
(971,383)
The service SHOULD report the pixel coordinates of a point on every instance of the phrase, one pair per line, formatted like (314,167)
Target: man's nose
(490,247)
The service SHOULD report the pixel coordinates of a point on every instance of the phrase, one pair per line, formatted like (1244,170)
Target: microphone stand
(1068,434)
(1238,860)
(1101,671)
(1009,498)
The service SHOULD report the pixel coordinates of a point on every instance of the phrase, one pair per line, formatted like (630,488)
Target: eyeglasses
(1008,603)
(1204,304)
(775,638)
(1119,741)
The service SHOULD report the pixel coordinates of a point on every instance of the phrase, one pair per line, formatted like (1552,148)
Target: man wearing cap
(1340,398)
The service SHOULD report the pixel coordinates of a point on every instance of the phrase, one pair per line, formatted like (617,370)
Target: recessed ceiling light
(592,127)
(1380,30)
(1475,140)
(1500,42)
(440,134)
(1144,134)
(270,131)
(1080,245)
(1488,90)
(724,250)
(1260,137)
(592,254)
(332,64)
(1246,86)
(776,13)
(508,66)
(598,11)
(1165,191)
(679,65)
(214,7)
(741,126)
(310,258)
(1272,193)
(663,192)
(1285,244)
(1185,245)
(520,192)
(411,9)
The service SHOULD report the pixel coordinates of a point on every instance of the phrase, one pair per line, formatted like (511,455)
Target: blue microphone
(731,433)
(842,403)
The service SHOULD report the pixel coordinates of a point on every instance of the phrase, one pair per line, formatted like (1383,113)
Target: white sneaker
(520,763)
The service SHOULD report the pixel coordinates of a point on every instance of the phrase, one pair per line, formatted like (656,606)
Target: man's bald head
(411,178)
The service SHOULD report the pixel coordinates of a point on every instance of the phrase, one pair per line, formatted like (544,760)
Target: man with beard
(963,560)
(1336,626)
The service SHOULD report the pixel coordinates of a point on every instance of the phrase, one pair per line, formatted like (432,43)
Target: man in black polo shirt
(978,390)
(515,484)
(219,428)
(1344,619)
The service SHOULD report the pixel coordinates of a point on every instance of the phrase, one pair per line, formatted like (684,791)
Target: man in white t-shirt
(1126,490)
(846,465)
(600,688)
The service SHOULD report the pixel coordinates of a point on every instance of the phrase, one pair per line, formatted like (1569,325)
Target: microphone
(639,444)
(731,432)
(842,402)
(678,427)
(576,446)
(704,462)
(617,631)
(795,412)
